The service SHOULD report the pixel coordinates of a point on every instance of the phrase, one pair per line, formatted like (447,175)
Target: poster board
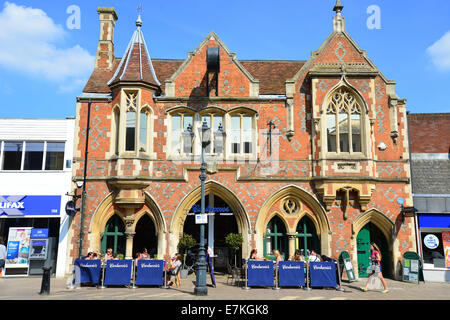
(344,259)
(446,246)
(411,267)
(17,252)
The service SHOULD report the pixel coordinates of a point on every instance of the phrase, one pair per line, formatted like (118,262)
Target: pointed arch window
(144,126)
(344,122)
(275,237)
(116,129)
(131,101)
(130,130)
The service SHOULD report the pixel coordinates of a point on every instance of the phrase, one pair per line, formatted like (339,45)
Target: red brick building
(326,178)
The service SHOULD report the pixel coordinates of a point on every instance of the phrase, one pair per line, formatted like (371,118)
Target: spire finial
(338,21)
(139,21)
(338,7)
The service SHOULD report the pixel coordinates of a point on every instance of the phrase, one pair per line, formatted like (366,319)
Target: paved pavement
(29,288)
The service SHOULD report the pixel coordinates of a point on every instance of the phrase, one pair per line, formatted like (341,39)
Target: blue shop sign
(30,205)
(39,233)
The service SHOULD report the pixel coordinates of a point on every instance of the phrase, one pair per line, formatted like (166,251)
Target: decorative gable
(193,79)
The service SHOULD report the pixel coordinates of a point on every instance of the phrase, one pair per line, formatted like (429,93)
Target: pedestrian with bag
(2,256)
(375,268)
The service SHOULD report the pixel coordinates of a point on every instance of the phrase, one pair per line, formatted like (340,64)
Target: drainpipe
(416,224)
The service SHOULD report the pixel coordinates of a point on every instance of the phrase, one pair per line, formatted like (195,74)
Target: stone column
(129,232)
(129,244)
(291,237)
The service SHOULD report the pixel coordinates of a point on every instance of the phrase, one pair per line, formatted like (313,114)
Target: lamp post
(200,283)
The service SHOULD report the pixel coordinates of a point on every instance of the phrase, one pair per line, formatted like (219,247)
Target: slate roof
(136,64)
(430,176)
(272,74)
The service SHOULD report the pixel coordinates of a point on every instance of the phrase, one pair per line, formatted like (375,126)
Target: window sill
(345,156)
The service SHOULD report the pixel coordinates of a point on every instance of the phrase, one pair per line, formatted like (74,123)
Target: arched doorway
(368,234)
(145,236)
(221,222)
(114,236)
(306,238)
(275,238)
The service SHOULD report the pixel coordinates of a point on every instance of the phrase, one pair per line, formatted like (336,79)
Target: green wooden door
(363,250)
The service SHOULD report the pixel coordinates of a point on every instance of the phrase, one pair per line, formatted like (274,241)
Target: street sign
(201,218)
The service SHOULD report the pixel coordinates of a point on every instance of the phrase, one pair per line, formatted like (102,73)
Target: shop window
(54,157)
(34,155)
(433,249)
(343,121)
(12,155)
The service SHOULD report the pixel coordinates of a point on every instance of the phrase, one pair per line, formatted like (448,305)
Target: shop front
(435,244)
(30,227)
(35,174)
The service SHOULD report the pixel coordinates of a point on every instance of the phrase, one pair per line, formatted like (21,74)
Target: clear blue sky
(44,64)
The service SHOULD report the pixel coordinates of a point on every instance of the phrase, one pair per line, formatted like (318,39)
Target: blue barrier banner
(322,274)
(260,273)
(90,270)
(291,273)
(118,272)
(150,272)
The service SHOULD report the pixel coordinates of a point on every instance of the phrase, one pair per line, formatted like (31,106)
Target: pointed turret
(338,21)
(136,64)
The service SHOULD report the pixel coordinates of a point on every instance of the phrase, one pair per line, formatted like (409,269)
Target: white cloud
(440,52)
(28,44)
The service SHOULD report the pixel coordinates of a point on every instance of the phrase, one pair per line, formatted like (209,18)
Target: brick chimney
(105,49)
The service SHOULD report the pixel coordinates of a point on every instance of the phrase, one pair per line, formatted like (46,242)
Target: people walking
(2,256)
(375,268)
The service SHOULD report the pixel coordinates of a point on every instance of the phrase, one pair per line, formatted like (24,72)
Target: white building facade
(35,179)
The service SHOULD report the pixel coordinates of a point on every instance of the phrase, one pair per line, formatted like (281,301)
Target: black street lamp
(200,283)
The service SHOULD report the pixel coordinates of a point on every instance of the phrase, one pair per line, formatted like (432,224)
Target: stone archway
(211,187)
(130,216)
(317,215)
(385,229)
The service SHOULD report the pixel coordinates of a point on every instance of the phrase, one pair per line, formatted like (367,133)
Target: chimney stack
(105,49)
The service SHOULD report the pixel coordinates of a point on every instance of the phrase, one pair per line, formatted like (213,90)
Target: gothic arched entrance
(370,233)
(145,236)
(234,220)
(221,222)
